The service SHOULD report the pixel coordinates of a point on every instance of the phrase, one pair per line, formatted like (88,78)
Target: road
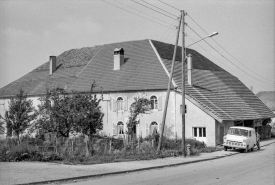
(257,167)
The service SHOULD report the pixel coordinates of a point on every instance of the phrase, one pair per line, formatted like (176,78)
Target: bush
(24,152)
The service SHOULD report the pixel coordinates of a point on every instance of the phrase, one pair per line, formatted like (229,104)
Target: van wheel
(225,148)
(252,149)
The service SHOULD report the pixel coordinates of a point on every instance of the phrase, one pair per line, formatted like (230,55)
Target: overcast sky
(32,30)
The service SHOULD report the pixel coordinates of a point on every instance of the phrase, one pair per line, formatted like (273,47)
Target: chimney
(189,70)
(52,64)
(118,58)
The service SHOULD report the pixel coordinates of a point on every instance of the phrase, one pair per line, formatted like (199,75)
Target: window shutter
(125,103)
(114,104)
(159,103)
(147,129)
(114,129)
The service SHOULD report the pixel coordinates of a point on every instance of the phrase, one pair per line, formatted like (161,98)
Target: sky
(33,30)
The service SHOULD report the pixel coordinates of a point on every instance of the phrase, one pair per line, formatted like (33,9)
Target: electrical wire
(154,10)
(209,52)
(135,14)
(143,12)
(224,48)
(159,8)
(169,5)
(225,57)
(218,45)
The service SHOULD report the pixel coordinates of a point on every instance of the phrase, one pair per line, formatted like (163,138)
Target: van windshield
(238,132)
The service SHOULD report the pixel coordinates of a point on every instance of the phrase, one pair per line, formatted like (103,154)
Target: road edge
(128,171)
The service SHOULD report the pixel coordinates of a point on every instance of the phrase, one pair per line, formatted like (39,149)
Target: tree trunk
(9,130)
(18,138)
(66,145)
(87,148)
(133,142)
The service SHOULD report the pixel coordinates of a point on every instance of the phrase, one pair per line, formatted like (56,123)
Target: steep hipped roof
(141,70)
(69,65)
(146,67)
(268,98)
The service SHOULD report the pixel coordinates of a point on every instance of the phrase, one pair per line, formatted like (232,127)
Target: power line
(159,8)
(154,10)
(224,56)
(143,13)
(209,52)
(217,44)
(136,14)
(167,30)
(224,48)
(169,5)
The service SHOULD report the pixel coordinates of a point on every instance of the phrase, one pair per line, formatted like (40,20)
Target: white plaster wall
(113,117)
(195,117)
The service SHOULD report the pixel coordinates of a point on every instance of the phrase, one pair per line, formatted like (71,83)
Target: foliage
(2,127)
(139,106)
(65,113)
(20,114)
(25,152)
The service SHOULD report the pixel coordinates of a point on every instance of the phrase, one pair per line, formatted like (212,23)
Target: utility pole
(183,83)
(168,89)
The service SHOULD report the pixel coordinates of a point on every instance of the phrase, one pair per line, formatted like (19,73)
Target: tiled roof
(141,70)
(223,95)
(216,91)
(69,65)
(268,98)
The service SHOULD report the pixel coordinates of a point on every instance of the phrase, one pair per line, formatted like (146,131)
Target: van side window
(249,133)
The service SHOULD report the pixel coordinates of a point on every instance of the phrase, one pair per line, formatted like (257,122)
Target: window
(199,131)
(153,127)
(181,109)
(238,132)
(119,103)
(154,102)
(120,128)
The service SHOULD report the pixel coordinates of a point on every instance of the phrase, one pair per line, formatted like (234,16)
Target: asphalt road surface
(257,167)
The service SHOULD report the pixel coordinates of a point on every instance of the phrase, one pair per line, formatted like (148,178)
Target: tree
(20,114)
(89,115)
(56,112)
(65,113)
(139,106)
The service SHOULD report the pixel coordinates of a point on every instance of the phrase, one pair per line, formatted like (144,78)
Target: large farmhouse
(215,99)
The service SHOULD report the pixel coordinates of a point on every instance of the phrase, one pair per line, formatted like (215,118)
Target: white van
(244,138)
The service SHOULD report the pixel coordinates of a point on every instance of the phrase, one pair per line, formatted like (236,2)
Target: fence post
(110,146)
(138,144)
(124,142)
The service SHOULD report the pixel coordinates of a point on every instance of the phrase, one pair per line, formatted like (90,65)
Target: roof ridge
(162,64)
